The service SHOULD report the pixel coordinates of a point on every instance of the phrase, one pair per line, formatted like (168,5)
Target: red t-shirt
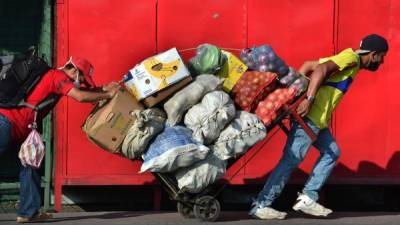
(53,82)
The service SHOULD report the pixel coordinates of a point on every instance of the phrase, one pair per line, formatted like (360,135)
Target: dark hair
(71,66)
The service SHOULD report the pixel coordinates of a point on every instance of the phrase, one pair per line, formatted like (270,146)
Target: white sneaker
(266,213)
(311,207)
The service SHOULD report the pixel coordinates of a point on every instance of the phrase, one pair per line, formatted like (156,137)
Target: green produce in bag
(208,60)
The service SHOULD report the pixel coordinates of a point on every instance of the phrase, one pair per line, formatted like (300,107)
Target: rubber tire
(185,211)
(207,208)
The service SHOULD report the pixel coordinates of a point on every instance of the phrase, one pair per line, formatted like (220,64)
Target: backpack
(19,74)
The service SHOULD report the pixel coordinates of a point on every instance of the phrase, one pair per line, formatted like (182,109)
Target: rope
(227,49)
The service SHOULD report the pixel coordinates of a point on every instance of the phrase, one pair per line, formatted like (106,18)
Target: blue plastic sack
(172,149)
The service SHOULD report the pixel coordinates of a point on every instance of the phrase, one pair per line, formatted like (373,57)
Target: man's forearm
(88,96)
(94,96)
(316,79)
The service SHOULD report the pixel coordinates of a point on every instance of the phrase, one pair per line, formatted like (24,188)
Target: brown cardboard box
(165,93)
(108,124)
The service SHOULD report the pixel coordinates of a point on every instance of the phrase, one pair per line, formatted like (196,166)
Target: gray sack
(148,124)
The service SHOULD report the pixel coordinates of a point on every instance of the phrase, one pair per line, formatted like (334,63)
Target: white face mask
(77,83)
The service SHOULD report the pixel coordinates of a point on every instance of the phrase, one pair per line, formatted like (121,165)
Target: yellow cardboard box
(232,70)
(156,73)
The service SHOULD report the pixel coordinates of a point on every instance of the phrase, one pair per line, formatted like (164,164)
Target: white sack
(195,178)
(189,96)
(242,133)
(209,117)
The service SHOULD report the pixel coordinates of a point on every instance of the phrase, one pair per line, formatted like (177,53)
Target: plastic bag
(300,85)
(209,117)
(208,59)
(32,150)
(195,178)
(148,124)
(241,134)
(190,96)
(290,77)
(263,59)
(172,149)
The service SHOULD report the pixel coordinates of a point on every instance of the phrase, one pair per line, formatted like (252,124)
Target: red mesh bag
(251,88)
(268,109)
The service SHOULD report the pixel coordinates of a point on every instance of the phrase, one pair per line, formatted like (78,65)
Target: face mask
(77,83)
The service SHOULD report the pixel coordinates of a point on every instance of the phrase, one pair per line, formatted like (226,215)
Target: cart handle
(292,110)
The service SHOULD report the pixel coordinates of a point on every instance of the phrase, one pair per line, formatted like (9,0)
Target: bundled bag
(195,178)
(209,117)
(148,124)
(32,150)
(172,149)
(300,85)
(208,60)
(242,133)
(294,80)
(190,96)
(289,78)
(252,87)
(264,59)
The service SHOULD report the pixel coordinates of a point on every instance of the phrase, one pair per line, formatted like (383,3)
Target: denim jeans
(295,150)
(30,196)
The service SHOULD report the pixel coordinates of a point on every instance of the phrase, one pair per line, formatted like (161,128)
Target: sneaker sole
(297,209)
(269,218)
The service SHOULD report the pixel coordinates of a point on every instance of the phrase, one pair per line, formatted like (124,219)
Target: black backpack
(19,74)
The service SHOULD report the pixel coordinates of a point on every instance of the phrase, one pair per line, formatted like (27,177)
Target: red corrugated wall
(115,35)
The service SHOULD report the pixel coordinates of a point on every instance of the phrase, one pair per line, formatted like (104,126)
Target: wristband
(310,98)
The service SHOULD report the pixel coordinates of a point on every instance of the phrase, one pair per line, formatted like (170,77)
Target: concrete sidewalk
(173,218)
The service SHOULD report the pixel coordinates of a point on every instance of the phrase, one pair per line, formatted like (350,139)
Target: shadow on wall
(367,173)
(20,24)
(20,27)
(369,188)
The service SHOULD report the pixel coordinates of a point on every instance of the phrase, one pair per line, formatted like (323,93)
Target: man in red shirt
(14,123)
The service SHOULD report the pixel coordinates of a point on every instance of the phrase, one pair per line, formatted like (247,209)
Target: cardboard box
(108,124)
(156,73)
(165,93)
(232,70)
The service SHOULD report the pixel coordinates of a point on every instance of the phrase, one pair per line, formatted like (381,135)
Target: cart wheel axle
(185,210)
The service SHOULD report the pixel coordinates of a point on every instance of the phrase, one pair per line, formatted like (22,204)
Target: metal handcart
(204,205)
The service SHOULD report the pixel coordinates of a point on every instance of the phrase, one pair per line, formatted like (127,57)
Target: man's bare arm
(319,74)
(89,96)
(308,67)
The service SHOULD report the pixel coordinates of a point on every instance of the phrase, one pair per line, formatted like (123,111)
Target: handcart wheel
(207,208)
(185,210)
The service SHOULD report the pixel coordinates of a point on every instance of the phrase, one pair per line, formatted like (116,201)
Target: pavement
(231,218)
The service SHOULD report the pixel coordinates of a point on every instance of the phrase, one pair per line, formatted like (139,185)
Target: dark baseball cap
(373,43)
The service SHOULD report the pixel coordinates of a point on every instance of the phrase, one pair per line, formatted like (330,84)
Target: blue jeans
(296,148)
(30,190)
